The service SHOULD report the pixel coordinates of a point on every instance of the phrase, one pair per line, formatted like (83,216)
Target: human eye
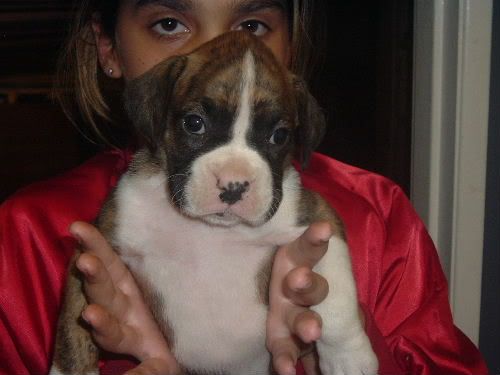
(169,27)
(256,27)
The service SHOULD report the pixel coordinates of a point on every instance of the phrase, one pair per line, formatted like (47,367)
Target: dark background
(364,84)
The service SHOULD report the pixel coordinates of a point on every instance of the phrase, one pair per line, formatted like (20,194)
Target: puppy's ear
(148,99)
(311,122)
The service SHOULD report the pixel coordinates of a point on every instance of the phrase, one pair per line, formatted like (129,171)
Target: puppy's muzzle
(231,182)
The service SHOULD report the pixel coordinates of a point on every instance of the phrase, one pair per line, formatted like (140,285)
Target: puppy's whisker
(174,196)
(275,201)
(176,193)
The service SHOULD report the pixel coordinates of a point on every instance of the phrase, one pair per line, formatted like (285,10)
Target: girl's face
(149,31)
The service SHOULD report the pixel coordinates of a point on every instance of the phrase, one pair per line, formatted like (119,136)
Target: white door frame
(452,45)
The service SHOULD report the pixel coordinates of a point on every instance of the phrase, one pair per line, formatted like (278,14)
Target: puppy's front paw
(342,360)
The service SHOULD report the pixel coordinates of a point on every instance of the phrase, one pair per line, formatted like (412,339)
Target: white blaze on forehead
(235,161)
(243,119)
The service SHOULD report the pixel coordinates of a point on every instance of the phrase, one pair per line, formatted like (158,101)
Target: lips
(225,218)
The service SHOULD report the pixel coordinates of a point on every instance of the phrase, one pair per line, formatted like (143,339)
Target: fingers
(120,318)
(106,329)
(144,342)
(111,334)
(102,268)
(306,325)
(99,288)
(310,362)
(294,287)
(285,353)
(305,287)
(92,241)
(309,248)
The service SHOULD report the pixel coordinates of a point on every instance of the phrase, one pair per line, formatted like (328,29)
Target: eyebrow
(177,5)
(241,7)
(250,6)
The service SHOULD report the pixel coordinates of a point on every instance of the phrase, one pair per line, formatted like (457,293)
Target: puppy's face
(225,120)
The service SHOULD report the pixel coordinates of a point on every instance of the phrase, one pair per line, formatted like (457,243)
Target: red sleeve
(35,247)
(421,332)
(401,285)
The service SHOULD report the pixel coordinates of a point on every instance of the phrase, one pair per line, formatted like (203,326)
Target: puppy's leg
(344,348)
(75,352)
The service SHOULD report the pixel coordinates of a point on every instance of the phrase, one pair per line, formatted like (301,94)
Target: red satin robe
(402,288)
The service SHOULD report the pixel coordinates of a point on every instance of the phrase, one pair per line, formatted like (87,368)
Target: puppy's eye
(194,124)
(279,136)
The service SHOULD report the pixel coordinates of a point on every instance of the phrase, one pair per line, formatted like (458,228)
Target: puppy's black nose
(233,192)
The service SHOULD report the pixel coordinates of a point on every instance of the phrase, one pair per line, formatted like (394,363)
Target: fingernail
(303,287)
(305,284)
(325,240)
(82,267)
(77,237)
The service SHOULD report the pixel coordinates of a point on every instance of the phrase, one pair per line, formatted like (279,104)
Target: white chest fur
(206,275)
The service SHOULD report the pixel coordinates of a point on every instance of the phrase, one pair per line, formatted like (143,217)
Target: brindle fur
(75,352)
(263,279)
(314,208)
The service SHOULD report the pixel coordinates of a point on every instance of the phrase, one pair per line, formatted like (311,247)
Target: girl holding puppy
(402,290)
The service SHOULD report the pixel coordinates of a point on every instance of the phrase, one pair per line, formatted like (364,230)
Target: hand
(292,328)
(120,319)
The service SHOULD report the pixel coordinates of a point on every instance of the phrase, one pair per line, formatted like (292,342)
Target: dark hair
(81,85)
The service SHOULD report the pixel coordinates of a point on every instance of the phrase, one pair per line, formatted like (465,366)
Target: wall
(450,137)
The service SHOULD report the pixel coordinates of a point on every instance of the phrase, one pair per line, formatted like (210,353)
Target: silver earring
(110,72)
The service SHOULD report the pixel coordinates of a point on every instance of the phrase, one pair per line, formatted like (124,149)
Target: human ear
(105,50)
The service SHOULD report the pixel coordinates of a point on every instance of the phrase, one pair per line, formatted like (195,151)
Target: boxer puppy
(204,205)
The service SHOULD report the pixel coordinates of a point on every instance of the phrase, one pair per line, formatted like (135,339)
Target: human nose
(208,33)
